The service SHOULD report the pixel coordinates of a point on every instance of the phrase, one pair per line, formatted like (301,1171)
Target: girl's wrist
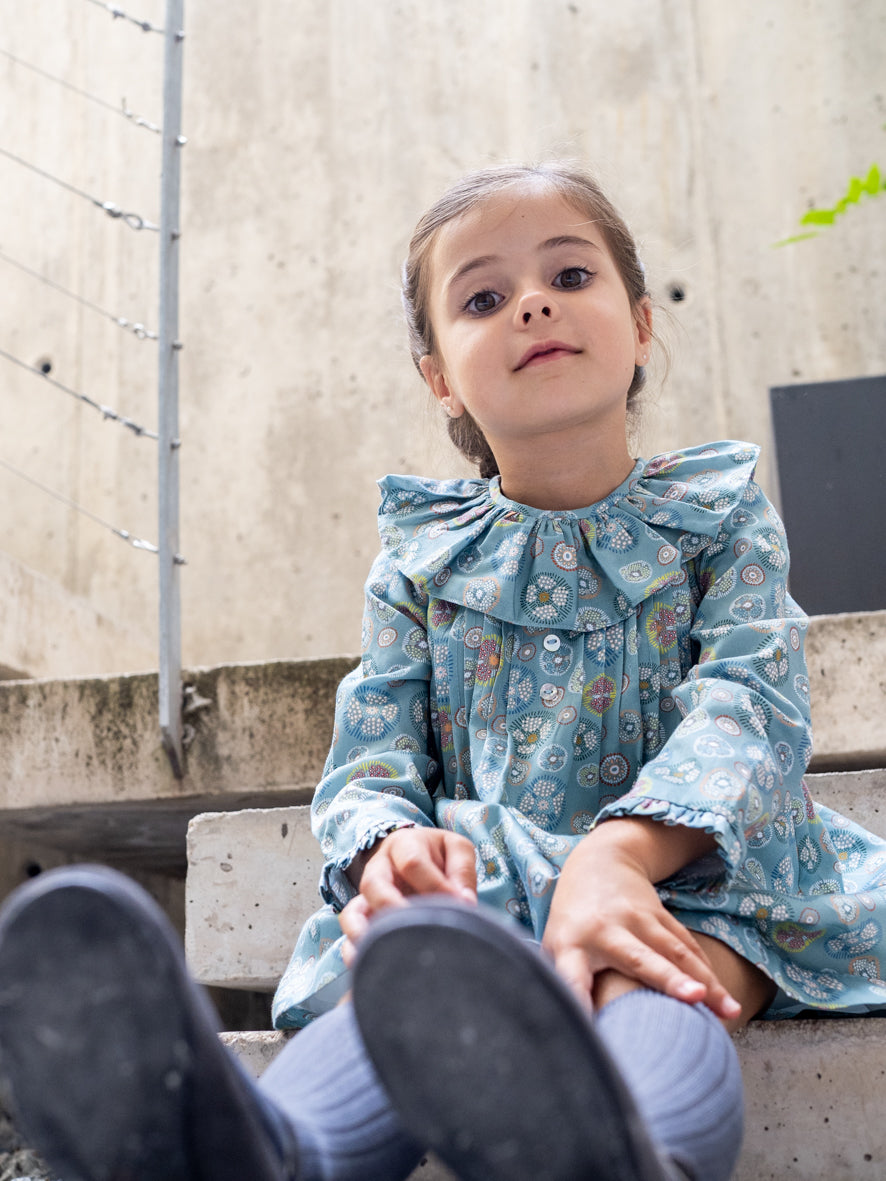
(354,871)
(658,850)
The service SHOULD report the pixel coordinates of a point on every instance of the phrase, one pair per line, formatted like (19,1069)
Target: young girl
(580,722)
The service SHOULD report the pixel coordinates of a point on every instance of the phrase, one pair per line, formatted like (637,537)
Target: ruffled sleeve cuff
(336,887)
(728,845)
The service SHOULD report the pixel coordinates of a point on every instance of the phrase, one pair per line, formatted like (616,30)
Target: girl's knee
(611,984)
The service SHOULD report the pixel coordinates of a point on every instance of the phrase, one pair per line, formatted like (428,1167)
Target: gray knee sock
(682,1068)
(344,1124)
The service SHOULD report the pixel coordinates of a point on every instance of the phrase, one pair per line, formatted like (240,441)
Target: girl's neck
(563,473)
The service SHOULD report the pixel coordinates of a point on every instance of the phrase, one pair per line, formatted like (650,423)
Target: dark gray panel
(830,442)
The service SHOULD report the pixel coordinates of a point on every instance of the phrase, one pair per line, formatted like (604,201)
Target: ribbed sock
(682,1068)
(344,1123)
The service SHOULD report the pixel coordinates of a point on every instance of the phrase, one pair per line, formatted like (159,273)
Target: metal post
(168,539)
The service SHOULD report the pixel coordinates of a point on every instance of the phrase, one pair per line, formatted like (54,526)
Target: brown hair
(574,186)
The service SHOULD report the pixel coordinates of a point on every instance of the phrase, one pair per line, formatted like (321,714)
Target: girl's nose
(527,316)
(534,304)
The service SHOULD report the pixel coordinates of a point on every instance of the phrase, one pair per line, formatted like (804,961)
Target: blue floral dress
(527,674)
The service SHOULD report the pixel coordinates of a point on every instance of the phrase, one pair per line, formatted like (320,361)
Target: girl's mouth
(546,350)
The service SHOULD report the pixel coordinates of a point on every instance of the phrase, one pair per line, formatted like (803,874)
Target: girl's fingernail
(468,895)
(687,989)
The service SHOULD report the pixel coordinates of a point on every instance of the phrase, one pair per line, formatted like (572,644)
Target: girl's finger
(679,946)
(460,866)
(698,968)
(419,865)
(643,962)
(685,936)
(378,886)
(572,964)
(354,919)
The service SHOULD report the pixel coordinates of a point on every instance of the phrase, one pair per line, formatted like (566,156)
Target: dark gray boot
(488,1057)
(110,1052)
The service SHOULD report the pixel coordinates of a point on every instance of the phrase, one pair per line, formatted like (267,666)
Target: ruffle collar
(465,542)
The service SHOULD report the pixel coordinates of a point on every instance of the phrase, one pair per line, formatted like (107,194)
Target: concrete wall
(47,632)
(318,130)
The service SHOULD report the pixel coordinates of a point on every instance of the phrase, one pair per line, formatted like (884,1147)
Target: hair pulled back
(574,186)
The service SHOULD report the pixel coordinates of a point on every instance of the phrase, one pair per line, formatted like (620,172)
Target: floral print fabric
(528,674)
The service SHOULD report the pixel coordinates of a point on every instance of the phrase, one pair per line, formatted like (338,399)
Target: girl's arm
(729,776)
(383,767)
(606,913)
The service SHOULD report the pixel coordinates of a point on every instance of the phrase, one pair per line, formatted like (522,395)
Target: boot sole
(487,1056)
(109,1051)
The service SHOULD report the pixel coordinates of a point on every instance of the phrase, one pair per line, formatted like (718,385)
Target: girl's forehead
(522,216)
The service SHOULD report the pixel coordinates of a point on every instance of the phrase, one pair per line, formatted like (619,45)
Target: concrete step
(846,655)
(252,880)
(84,771)
(814,1098)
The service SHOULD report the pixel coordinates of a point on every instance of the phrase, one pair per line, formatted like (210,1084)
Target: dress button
(551,642)
(548,692)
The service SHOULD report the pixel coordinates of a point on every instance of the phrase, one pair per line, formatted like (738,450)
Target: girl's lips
(547,350)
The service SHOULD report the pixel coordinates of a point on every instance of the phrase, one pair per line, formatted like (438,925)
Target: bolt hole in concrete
(45,366)
(676,293)
(33,869)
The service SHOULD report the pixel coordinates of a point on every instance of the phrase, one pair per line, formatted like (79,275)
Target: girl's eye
(572,277)
(483,301)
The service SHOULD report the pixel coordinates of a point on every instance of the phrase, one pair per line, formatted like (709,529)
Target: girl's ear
(439,387)
(643,320)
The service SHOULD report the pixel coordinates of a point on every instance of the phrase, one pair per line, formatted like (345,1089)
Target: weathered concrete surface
(252,880)
(256,1049)
(813,1094)
(296,391)
(847,676)
(45,631)
(813,1098)
(85,770)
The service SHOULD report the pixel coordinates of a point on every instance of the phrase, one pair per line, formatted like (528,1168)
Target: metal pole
(168,346)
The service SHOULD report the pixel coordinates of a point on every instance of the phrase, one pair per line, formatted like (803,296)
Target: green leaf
(795,238)
(819,217)
(872,185)
(872,182)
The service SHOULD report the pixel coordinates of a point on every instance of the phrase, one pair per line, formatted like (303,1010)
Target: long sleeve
(734,764)
(382,767)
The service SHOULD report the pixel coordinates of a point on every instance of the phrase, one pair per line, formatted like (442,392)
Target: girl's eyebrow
(568,240)
(474,265)
(549,244)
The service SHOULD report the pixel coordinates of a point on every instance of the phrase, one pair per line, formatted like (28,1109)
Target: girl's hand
(605,913)
(405,862)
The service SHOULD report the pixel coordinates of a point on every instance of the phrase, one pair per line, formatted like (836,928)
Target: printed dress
(527,674)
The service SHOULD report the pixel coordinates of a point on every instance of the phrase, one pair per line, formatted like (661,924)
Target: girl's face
(533,326)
